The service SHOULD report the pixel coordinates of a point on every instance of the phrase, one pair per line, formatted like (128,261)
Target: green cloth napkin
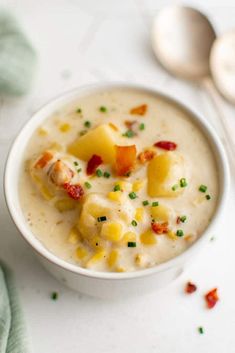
(12,328)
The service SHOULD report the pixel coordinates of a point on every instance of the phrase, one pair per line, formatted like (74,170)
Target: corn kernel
(120,269)
(81,252)
(172,235)
(73,236)
(139,259)
(115,196)
(139,213)
(113,258)
(148,238)
(65,127)
(64,205)
(124,185)
(128,236)
(160,213)
(56,146)
(111,231)
(99,256)
(138,185)
(42,132)
(113,126)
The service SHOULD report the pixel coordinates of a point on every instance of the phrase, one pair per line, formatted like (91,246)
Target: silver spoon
(182,38)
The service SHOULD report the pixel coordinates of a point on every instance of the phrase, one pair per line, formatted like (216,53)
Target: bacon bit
(211,298)
(140,110)
(160,228)
(178,220)
(42,162)
(130,124)
(125,159)
(93,164)
(190,288)
(114,127)
(166,145)
(146,156)
(74,191)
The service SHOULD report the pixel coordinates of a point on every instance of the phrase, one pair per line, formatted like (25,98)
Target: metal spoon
(182,38)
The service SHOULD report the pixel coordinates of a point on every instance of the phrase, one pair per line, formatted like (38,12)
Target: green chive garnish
(102,219)
(129,133)
(117,188)
(183,219)
(201,330)
(174,187)
(103,109)
(202,188)
(83,132)
(208,197)
(134,223)
(54,295)
(142,126)
(132,195)
(145,203)
(87,185)
(183,183)
(79,110)
(107,175)
(99,173)
(155,203)
(131,244)
(79,170)
(179,233)
(75,163)
(87,124)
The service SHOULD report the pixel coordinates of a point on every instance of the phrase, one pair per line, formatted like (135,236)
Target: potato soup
(119,180)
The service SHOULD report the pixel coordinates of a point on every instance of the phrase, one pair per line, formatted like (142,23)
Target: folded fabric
(12,328)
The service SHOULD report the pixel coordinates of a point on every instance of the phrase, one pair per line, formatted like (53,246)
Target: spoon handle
(226,137)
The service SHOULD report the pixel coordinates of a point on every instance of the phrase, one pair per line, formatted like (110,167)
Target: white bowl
(108,284)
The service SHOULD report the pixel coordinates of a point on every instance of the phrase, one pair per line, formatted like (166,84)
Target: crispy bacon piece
(125,159)
(160,228)
(74,191)
(211,298)
(190,288)
(93,164)
(42,162)
(60,173)
(146,156)
(130,124)
(166,145)
(140,110)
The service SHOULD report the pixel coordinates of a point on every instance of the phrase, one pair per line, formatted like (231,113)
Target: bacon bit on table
(125,159)
(42,162)
(211,298)
(190,288)
(74,191)
(140,110)
(114,127)
(166,145)
(159,228)
(93,164)
(146,156)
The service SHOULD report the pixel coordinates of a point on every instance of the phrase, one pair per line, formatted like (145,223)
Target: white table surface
(87,41)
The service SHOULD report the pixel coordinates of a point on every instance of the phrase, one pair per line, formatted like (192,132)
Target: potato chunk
(100,141)
(164,171)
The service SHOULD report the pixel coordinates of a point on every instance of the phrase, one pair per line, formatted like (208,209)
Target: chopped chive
(87,124)
(102,219)
(134,223)
(75,163)
(132,195)
(129,133)
(83,132)
(174,187)
(145,203)
(142,126)
(54,295)
(87,185)
(131,244)
(117,188)
(179,233)
(202,188)
(99,173)
(155,203)
(208,197)
(183,218)
(107,175)
(103,109)
(79,110)
(183,183)
(201,330)
(79,170)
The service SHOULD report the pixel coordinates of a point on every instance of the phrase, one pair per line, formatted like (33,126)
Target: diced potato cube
(100,141)
(112,231)
(148,238)
(73,236)
(139,214)
(112,258)
(81,252)
(138,185)
(164,171)
(160,213)
(115,196)
(64,205)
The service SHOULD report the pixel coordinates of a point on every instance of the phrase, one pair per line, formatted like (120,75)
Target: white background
(80,42)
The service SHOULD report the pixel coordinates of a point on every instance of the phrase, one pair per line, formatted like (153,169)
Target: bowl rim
(70,95)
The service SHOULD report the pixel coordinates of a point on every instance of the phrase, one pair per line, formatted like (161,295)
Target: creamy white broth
(163,121)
